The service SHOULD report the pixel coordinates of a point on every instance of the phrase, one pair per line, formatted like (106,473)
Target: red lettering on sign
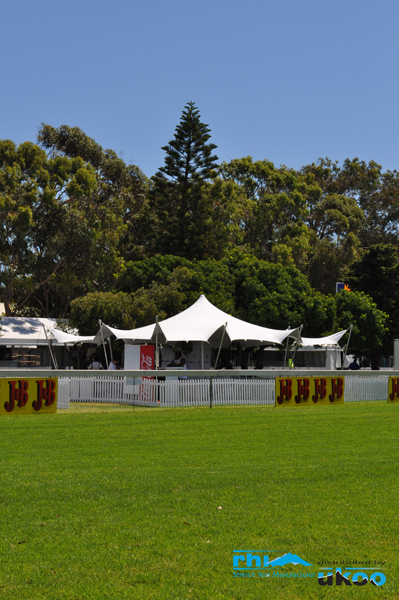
(320,386)
(303,390)
(395,389)
(337,389)
(285,390)
(45,393)
(18,395)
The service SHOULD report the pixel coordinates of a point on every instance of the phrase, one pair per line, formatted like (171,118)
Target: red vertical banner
(147,358)
(147,355)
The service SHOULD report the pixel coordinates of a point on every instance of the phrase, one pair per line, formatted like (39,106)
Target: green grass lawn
(105,502)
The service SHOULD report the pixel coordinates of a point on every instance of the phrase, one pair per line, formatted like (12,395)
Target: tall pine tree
(180,189)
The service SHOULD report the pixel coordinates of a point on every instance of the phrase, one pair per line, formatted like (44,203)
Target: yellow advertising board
(30,395)
(393,389)
(295,391)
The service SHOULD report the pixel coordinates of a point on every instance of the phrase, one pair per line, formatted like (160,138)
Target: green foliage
(278,297)
(209,277)
(369,324)
(41,212)
(118,204)
(265,243)
(113,309)
(376,193)
(252,289)
(189,156)
(334,220)
(275,226)
(195,214)
(138,274)
(376,273)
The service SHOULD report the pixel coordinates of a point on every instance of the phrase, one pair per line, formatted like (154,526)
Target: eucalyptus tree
(41,227)
(119,202)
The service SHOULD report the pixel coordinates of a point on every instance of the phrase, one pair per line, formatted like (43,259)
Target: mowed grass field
(117,502)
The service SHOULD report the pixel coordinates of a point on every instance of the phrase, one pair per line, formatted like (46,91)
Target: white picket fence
(243,391)
(363,389)
(64,392)
(200,392)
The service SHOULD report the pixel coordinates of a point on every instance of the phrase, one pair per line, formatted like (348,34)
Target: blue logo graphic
(247,562)
(247,559)
(288,559)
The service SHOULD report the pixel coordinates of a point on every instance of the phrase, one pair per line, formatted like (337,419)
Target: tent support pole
(50,349)
(286,350)
(202,356)
(220,347)
(156,344)
(297,344)
(102,337)
(110,348)
(347,345)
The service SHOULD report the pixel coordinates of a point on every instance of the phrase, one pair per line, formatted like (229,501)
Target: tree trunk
(375,362)
(7,301)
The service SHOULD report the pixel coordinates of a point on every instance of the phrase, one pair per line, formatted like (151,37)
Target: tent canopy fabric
(202,322)
(69,338)
(24,331)
(28,331)
(329,340)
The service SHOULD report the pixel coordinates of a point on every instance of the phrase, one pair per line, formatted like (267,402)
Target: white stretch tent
(28,331)
(68,338)
(323,352)
(24,331)
(329,340)
(202,322)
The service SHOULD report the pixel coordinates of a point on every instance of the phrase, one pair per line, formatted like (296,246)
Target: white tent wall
(333,359)
(131,357)
(328,358)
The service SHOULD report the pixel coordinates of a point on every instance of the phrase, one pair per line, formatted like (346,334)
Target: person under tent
(354,366)
(95,364)
(178,361)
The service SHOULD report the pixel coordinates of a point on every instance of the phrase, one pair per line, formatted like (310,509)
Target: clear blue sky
(287,80)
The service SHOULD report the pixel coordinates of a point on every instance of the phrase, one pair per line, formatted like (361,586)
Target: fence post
(210,392)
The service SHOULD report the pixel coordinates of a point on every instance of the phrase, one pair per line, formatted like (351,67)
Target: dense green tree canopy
(42,235)
(119,200)
(376,274)
(114,309)
(369,324)
(375,192)
(275,226)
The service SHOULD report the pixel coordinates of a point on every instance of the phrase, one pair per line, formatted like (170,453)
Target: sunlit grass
(109,501)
